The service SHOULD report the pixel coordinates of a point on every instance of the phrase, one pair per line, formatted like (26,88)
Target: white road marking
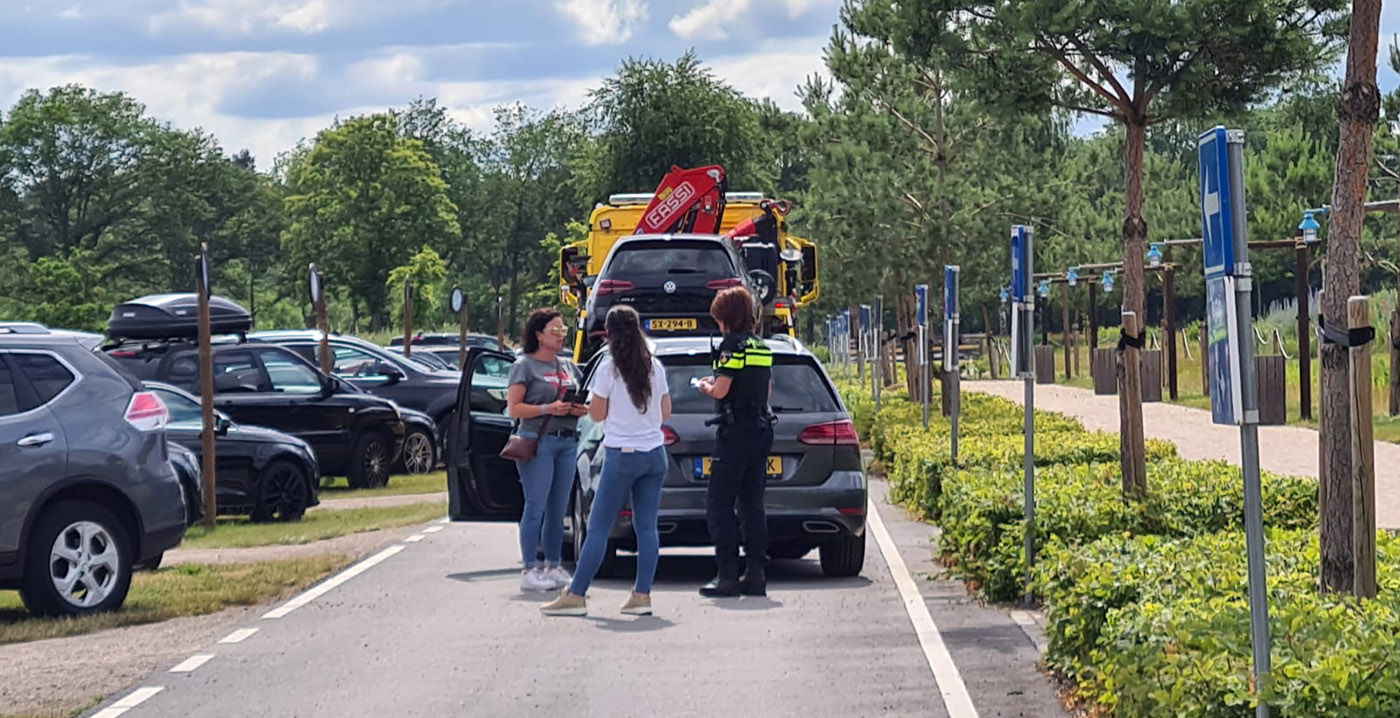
(239,636)
(133,699)
(1026,621)
(415,538)
(331,583)
(940,661)
(189,665)
(432,529)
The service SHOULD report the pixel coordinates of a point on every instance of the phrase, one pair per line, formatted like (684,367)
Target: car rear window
(47,376)
(9,400)
(797,388)
(670,258)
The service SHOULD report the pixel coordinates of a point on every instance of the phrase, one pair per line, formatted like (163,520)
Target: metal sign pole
(408,316)
(1234,395)
(951,309)
(877,310)
(1023,365)
(921,318)
(206,390)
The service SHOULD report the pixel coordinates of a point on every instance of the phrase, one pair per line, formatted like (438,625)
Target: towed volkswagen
(817,492)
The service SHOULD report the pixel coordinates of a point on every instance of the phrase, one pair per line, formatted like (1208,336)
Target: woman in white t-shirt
(630,396)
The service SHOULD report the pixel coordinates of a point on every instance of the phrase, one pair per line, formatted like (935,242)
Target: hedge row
(1146,600)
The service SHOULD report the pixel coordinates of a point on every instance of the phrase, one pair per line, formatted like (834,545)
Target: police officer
(743,367)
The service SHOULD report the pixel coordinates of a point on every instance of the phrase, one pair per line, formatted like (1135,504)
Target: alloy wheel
(418,453)
(84,564)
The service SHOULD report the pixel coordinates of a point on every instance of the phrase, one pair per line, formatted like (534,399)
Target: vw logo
(670,287)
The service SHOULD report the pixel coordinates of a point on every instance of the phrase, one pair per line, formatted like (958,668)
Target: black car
(447,345)
(384,373)
(189,469)
(352,433)
(669,279)
(87,488)
(428,359)
(264,473)
(816,494)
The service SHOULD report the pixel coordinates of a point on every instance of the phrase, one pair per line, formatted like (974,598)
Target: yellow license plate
(671,325)
(774,468)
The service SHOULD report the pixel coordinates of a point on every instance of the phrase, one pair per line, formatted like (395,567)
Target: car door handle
(36,439)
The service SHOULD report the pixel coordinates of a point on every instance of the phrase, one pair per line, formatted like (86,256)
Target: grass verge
(405,484)
(186,590)
(239,532)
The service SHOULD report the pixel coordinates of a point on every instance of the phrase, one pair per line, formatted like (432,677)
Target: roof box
(175,316)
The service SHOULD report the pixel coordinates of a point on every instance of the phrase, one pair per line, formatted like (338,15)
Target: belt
(561,432)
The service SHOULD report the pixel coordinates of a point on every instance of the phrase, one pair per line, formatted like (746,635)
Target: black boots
(754,582)
(720,588)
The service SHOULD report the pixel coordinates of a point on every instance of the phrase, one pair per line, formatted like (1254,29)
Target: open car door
(481,486)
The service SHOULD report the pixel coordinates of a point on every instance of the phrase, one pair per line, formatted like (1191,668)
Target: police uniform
(743,440)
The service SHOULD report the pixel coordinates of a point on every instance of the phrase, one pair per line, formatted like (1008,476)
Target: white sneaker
(559,577)
(535,579)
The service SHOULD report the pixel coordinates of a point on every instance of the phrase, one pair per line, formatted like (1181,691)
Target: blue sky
(261,74)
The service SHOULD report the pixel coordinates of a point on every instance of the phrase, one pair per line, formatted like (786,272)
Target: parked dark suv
(87,490)
(816,494)
(381,372)
(669,279)
(353,433)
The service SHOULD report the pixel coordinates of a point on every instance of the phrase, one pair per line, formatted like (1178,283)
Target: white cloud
(708,21)
(73,13)
(604,22)
(771,72)
(247,16)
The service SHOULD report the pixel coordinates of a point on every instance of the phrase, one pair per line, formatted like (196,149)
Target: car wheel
(609,568)
(78,562)
(369,461)
(419,453)
(844,556)
(283,493)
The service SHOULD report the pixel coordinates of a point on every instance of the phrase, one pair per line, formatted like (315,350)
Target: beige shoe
(637,605)
(566,605)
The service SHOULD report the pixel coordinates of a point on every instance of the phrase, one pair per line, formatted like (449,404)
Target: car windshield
(183,410)
(797,388)
(670,258)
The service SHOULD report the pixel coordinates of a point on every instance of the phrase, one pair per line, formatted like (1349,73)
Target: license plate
(671,325)
(702,467)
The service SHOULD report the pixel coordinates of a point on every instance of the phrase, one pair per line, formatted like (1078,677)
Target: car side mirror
(222,425)
(392,375)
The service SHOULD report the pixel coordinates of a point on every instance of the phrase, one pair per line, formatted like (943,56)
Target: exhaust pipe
(820,527)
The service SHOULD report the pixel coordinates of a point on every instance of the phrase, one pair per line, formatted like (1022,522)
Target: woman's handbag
(521,448)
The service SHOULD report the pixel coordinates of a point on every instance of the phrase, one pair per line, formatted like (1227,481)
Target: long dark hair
(530,336)
(631,355)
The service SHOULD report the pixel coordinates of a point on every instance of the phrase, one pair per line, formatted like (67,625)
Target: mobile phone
(571,396)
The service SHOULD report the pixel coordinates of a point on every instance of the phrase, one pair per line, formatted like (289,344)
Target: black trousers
(738,475)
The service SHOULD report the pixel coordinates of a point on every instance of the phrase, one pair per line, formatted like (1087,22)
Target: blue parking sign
(1020,263)
(921,313)
(1223,349)
(950,290)
(1217,203)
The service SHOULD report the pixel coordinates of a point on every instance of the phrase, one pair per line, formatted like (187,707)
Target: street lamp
(1107,282)
(1044,287)
(1154,256)
(1072,276)
(1309,227)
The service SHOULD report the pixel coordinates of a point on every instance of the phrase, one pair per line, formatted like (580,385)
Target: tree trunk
(1358,110)
(1134,242)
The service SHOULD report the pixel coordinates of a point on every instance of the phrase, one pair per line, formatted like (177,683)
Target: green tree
(360,199)
(1137,63)
(428,273)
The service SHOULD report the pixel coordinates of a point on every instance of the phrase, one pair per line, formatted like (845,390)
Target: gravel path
(379,501)
(1282,449)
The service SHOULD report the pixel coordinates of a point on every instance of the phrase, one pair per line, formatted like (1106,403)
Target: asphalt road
(437,626)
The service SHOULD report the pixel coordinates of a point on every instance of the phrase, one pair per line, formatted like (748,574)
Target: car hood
(261,435)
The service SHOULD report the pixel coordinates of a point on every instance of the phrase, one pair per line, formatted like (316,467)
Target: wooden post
(500,322)
(407,316)
(860,353)
(1064,329)
(1169,324)
(462,325)
(318,301)
(1130,409)
(1300,289)
(990,349)
(1363,455)
(1205,358)
(1075,334)
(206,391)
(1044,304)
(1093,317)
(1394,339)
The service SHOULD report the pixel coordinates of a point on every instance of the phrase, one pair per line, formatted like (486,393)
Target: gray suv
(87,490)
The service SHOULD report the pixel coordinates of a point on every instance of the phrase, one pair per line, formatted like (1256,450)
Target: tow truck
(783,266)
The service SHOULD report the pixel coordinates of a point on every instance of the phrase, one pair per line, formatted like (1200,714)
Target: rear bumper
(798,514)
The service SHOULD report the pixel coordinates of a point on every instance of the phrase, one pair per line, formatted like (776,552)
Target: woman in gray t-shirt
(539,380)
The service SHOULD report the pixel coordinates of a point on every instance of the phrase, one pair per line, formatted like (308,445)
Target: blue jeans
(638,473)
(546,481)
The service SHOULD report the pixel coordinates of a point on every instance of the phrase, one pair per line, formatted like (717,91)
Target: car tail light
(782,303)
(123,354)
(841,433)
(614,286)
(724,283)
(670,434)
(146,411)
